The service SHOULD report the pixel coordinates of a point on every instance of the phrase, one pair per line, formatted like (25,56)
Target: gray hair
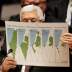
(30,8)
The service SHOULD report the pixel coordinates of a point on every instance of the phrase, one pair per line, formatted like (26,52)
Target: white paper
(37,44)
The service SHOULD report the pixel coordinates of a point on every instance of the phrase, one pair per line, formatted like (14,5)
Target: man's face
(29,16)
(40,3)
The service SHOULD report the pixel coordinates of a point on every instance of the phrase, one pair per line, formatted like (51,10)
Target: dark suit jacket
(3,48)
(57,10)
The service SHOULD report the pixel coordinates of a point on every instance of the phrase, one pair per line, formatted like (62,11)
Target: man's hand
(8,64)
(67,38)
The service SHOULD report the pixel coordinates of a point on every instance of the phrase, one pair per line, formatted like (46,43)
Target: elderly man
(28,13)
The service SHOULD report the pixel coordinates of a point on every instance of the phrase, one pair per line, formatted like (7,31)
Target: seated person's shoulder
(15,18)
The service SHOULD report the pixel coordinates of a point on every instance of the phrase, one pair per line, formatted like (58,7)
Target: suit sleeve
(57,10)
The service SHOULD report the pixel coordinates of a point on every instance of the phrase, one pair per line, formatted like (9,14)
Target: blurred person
(57,10)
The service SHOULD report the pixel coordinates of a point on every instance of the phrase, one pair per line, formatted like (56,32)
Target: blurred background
(9,8)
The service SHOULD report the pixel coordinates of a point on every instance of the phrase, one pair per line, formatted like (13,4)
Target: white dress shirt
(69,11)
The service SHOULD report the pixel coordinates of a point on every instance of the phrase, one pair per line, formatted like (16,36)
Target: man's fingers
(11,66)
(67,34)
(11,63)
(9,59)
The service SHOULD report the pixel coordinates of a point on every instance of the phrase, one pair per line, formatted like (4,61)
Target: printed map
(37,44)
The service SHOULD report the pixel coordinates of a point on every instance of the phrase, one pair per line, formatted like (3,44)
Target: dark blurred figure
(2,41)
(57,10)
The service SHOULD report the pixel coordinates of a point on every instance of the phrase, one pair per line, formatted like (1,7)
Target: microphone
(10,53)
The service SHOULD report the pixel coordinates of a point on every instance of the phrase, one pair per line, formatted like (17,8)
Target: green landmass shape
(38,40)
(24,46)
(13,42)
(50,41)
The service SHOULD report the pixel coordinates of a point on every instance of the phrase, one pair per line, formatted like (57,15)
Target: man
(26,16)
(42,69)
